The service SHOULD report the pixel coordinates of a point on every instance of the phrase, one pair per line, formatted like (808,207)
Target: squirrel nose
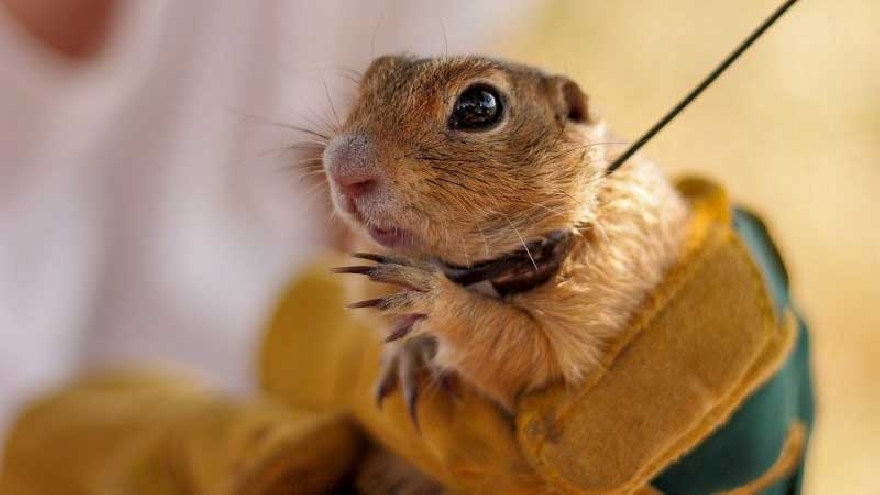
(349,167)
(355,184)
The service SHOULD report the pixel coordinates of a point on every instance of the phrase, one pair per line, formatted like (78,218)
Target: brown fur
(478,195)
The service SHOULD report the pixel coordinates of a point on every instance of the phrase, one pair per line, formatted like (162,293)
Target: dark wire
(701,87)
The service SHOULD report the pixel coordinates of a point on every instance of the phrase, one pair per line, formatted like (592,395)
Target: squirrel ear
(383,64)
(570,101)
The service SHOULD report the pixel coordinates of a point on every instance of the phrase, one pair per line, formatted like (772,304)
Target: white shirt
(141,219)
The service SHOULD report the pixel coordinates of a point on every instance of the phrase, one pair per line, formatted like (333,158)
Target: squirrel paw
(420,282)
(408,361)
(409,365)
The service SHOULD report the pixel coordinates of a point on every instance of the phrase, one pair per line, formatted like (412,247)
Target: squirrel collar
(515,272)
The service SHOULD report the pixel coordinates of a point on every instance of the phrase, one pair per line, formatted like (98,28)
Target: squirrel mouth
(387,236)
(390,237)
(518,271)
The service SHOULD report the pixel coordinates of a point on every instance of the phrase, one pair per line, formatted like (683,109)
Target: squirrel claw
(360,270)
(369,303)
(447,383)
(409,274)
(387,384)
(371,257)
(408,366)
(404,327)
(411,362)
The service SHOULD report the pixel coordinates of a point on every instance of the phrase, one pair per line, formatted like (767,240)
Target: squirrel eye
(477,108)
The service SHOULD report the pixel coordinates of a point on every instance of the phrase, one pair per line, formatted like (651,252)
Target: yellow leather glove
(140,434)
(706,338)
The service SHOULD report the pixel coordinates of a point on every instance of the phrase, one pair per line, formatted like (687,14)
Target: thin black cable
(723,66)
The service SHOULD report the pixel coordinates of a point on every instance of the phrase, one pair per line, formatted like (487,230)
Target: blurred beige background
(793,131)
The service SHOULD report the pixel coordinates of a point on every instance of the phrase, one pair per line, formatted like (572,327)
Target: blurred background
(149,212)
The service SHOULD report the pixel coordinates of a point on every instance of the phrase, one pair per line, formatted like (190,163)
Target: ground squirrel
(448,165)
